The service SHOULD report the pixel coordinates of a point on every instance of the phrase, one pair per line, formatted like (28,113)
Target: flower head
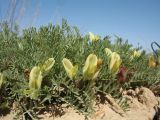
(90,70)
(108,51)
(35,78)
(48,64)
(115,63)
(136,54)
(70,69)
(152,62)
(93,37)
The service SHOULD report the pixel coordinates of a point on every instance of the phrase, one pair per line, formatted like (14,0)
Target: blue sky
(135,20)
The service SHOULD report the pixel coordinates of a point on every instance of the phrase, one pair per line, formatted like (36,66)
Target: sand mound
(141,103)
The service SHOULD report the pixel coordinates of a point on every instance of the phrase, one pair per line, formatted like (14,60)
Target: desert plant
(31,80)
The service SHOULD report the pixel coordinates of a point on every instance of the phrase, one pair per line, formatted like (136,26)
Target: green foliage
(20,53)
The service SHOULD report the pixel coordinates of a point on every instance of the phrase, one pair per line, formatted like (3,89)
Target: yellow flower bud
(136,54)
(115,63)
(90,67)
(93,37)
(48,64)
(35,78)
(70,69)
(108,51)
(151,62)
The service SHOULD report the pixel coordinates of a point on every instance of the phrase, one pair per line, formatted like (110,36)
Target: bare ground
(141,102)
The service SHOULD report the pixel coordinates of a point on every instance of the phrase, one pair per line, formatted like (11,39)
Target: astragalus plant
(55,65)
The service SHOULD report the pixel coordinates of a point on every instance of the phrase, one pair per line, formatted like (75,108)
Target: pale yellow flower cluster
(115,61)
(93,37)
(90,69)
(36,74)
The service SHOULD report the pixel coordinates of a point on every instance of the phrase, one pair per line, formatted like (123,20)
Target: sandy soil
(141,107)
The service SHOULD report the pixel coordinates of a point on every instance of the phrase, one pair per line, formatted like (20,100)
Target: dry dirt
(141,107)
